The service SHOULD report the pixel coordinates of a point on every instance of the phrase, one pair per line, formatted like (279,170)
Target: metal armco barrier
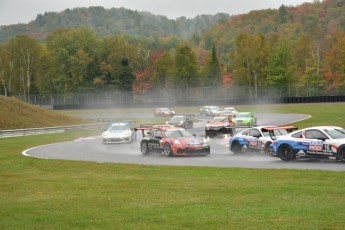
(47,130)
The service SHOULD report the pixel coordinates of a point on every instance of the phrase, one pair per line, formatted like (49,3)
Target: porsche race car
(164,112)
(220,125)
(172,141)
(326,142)
(119,132)
(245,119)
(184,121)
(257,138)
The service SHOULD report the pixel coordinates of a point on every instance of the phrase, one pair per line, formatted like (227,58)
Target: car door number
(256,144)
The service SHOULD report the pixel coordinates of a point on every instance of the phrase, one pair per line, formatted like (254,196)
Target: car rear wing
(145,128)
(289,129)
(270,130)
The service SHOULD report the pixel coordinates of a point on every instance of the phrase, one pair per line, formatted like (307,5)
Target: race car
(326,142)
(172,141)
(230,111)
(247,119)
(119,132)
(164,112)
(257,138)
(220,125)
(212,111)
(184,121)
(203,109)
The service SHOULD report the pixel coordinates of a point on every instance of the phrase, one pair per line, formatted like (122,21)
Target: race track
(92,149)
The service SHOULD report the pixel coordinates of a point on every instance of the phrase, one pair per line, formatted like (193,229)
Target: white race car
(119,132)
(258,138)
(327,142)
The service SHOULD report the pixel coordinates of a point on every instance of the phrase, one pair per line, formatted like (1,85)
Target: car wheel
(286,153)
(267,147)
(144,149)
(341,154)
(236,147)
(167,150)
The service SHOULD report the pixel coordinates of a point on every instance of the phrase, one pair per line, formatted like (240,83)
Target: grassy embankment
(56,194)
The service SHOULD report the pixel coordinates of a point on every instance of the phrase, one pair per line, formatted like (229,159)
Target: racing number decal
(327,148)
(317,147)
(256,144)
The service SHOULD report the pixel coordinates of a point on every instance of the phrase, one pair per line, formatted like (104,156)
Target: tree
(334,70)
(6,69)
(186,70)
(26,53)
(123,57)
(213,71)
(74,50)
(251,58)
(281,68)
(163,73)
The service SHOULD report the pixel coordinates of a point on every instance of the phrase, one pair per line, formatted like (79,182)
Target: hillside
(16,114)
(114,21)
(317,19)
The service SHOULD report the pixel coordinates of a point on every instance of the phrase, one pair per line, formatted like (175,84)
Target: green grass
(57,194)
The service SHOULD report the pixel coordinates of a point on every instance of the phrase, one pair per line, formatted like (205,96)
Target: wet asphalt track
(92,149)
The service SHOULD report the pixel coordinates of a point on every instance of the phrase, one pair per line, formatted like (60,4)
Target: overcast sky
(24,11)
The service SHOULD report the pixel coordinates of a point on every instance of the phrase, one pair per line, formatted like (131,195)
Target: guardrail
(47,130)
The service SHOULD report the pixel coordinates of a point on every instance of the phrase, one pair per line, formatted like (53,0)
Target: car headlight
(176,142)
(127,133)
(105,134)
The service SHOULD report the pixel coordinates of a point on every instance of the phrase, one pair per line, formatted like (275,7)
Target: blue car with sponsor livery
(325,142)
(257,138)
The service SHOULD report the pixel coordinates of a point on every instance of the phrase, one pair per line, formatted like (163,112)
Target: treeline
(292,60)
(114,21)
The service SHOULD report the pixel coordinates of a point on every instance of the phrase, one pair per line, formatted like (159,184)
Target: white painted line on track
(24,153)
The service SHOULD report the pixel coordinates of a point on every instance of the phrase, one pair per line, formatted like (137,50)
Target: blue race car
(325,142)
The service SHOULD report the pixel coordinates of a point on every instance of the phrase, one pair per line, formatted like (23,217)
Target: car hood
(218,123)
(189,140)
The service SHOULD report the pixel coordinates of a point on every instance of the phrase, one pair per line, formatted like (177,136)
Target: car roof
(316,127)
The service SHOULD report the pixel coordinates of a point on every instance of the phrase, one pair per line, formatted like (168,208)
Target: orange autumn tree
(334,71)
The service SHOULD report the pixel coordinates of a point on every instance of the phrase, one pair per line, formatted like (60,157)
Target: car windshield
(278,132)
(336,133)
(119,127)
(246,115)
(176,119)
(219,119)
(227,112)
(177,133)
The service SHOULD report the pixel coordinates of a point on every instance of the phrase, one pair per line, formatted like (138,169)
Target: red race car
(172,141)
(220,125)
(163,112)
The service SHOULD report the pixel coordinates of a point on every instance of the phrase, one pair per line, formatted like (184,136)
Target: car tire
(267,147)
(167,150)
(236,147)
(341,154)
(144,148)
(286,153)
